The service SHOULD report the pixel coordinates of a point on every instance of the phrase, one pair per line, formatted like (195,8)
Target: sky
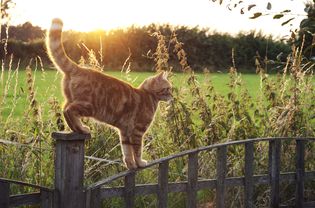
(86,15)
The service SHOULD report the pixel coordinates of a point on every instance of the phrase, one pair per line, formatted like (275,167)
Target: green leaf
(278,16)
(257,14)
(242,11)
(269,6)
(286,11)
(286,22)
(251,6)
(229,8)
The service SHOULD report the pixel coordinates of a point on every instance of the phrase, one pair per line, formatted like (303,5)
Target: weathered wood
(69,170)
(129,193)
(309,204)
(25,184)
(96,200)
(146,189)
(130,190)
(69,136)
(249,181)
(24,199)
(192,180)
(162,185)
(221,173)
(46,199)
(274,168)
(175,187)
(207,184)
(300,172)
(4,194)
(187,152)
(140,190)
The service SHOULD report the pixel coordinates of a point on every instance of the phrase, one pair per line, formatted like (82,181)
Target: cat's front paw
(142,163)
(130,164)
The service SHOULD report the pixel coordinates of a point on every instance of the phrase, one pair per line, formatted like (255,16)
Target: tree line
(205,49)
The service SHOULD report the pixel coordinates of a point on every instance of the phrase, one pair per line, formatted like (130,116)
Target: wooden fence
(69,191)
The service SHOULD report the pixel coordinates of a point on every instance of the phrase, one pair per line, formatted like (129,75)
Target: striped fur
(89,93)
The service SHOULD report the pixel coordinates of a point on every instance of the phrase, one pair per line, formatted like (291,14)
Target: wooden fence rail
(44,197)
(220,183)
(69,191)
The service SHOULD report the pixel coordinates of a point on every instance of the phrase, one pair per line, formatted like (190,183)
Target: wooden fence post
(4,194)
(300,172)
(46,199)
(129,192)
(274,172)
(95,200)
(162,185)
(249,169)
(69,170)
(192,180)
(221,173)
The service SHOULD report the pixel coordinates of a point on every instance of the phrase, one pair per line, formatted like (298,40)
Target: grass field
(47,86)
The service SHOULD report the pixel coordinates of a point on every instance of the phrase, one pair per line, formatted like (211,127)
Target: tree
(306,33)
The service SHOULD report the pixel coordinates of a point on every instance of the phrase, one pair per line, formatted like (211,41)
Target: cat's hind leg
(73,112)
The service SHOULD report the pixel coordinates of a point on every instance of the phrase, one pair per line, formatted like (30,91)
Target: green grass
(47,86)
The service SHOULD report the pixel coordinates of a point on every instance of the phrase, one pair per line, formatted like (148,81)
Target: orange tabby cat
(89,93)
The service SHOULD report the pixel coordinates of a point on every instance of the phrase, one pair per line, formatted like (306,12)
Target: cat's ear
(160,75)
(165,75)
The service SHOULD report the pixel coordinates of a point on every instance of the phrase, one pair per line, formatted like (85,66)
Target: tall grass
(198,115)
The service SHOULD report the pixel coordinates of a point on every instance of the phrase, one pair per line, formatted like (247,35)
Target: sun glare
(90,15)
(81,14)
(94,15)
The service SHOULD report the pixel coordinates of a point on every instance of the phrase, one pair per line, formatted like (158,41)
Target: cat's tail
(56,50)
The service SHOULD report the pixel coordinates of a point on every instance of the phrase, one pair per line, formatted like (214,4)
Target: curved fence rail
(44,197)
(98,192)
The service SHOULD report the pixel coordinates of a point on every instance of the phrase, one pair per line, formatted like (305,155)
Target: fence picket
(249,183)
(129,193)
(46,199)
(162,185)
(94,198)
(221,172)
(300,172)
(4,194)
(192,180)
(274,174)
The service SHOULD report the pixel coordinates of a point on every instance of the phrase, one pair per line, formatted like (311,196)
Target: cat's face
(159,86)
